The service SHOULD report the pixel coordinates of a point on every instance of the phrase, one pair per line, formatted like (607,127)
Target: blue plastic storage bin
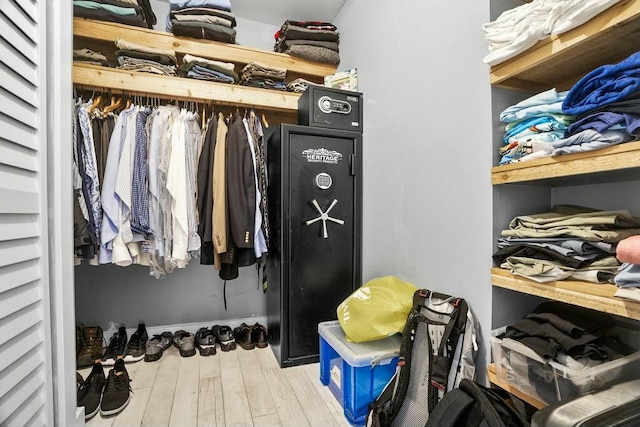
(355,373)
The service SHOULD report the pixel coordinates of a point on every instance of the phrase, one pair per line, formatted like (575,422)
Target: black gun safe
(315,216)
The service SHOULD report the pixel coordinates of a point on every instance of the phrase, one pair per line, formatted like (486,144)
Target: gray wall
(427,143)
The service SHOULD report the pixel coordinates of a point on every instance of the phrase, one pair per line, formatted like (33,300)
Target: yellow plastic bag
(376,310)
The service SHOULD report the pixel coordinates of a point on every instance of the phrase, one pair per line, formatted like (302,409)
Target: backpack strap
(404,359)
(451,407)
(385,408)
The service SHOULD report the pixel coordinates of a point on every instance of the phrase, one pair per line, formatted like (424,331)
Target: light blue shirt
(110,201)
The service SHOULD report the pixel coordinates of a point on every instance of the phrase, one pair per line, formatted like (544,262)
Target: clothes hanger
(265,123)
(95,104)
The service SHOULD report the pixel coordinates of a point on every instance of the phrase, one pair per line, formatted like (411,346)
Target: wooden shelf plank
(559,61)
(584,294)
(178,88)
(493,379)
(618,157)
(109,31)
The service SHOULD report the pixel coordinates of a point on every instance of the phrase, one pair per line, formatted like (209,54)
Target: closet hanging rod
(178,88)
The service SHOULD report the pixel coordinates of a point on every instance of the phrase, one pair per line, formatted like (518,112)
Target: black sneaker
(137,344)
(224,337)
(117,391)
(90,391)
(116,347)
(206,342)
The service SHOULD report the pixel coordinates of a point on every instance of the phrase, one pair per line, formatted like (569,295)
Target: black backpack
(472,405)
(432,354)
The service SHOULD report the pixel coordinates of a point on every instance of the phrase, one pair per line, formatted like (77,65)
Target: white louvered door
(25,356)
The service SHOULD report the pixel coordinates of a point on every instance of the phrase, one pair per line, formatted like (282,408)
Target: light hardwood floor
(235,388)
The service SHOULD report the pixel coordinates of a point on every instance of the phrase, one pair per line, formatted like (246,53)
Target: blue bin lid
(371,353)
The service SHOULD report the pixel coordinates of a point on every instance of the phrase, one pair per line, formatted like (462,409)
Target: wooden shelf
(493,379)
(619,158)
(178,88)
(559,61)
(584,294)
(109,32)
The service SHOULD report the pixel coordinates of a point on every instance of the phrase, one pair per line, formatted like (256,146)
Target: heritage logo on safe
(322,155)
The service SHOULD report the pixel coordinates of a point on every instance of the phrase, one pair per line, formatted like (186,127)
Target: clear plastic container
(550,381)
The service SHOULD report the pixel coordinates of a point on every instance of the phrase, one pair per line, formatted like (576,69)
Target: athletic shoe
(224,337)
(117,391)
(116,347)
(206,342)
(137,344)
(90,391)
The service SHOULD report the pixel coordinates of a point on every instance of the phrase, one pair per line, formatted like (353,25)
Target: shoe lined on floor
(90,391)
(205,342)
(259,335)
(137,344)
(185,341)
(117,390)
(91,346)
(117,345)
(243,336)
(157,345)
(224,337)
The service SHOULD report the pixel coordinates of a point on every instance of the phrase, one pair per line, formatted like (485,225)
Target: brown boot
(91,346)
(79,338)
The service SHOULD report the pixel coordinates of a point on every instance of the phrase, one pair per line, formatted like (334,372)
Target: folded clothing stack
(89,56)
(518,29)
(312,40)
(134,57)
(533,126)
(129,12)
(202,19)
(259,75)
(207,69)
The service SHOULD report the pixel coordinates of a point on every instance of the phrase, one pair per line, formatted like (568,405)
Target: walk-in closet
(437,186)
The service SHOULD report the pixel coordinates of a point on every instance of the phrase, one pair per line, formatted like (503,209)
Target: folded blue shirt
(604,120)
(604,85)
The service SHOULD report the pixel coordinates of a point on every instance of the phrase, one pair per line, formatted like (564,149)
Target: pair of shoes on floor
(185,342)
(90,345)
(206,342)
(224,336)
(132,351)
(157,345)
(108,395)
(251,336)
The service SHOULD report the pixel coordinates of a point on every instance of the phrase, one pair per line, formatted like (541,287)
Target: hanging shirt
(259,243)
(177,188)
(110,201)
(90,179)
(193,140)
(124,178)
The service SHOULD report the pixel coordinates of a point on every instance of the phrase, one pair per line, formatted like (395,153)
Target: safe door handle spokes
(324,217)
